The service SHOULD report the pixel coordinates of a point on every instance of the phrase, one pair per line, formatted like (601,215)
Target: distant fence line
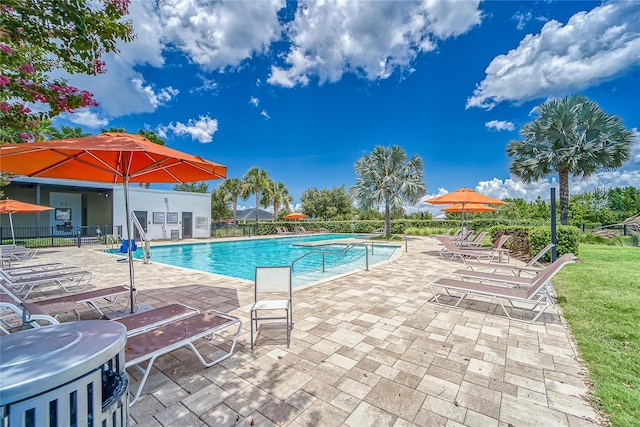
(57,236)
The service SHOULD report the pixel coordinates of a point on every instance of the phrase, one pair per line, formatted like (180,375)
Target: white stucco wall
(168,207)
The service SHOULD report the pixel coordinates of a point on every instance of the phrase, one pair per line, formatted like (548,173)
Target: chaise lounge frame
(537,295)
(149,344)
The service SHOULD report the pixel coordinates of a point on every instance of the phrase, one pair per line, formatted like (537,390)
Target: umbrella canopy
(10,207)
(469,207)
(109,157)
(464,196)
(295,215)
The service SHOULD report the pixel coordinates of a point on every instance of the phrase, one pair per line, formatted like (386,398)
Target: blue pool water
(239,258)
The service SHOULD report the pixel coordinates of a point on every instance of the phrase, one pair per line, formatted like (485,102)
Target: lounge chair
(16,310)
(17,274)
(17,253)
(95,300)
(476,242)
(151,343)
(497,247)
(462,237)
(537,295)
(516,281)
(532,267)
(33,267)
(272,281)
(283,230)
(68,281)
(156,332)
(450,248)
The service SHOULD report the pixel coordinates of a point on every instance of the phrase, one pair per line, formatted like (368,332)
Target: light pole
(554,240)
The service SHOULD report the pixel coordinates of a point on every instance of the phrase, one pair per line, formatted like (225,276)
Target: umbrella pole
(132,289)
(13,236)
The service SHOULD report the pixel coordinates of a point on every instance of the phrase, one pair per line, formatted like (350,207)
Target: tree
(254,181)
(67,132)
(328,204)
(219,205)
(387,178)
(572,136)
(232,187)
(267,194)
(39,37)
(280,196)
(193,187)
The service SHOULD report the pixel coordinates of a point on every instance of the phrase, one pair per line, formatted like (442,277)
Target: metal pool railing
(348,247)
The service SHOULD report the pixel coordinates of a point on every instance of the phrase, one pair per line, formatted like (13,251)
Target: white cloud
(522,18)
(591,48)
(515,189)
(264,114)
(156,97)
(254,101)
(208,85)
(216,35)
(211,35)
(369,39)
(499,125)
(201,130)
(86,117)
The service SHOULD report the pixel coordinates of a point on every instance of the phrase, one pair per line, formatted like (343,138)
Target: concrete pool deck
(367,349)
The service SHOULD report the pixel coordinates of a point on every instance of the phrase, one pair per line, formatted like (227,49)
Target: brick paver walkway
(368,349)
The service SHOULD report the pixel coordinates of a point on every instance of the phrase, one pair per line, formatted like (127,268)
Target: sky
(305,89)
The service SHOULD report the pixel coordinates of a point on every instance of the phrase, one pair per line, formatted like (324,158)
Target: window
(158,217)
(63,214)
(172,217)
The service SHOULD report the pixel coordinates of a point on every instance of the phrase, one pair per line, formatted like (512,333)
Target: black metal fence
(233,230)
(61,235)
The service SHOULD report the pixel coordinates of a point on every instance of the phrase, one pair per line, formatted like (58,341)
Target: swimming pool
(239,258)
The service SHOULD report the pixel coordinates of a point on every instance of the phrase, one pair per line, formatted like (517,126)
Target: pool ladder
(344,251)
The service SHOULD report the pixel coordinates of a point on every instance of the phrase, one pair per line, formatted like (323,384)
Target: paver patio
(368,349)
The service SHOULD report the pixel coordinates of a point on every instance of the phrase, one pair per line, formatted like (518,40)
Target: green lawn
(601,301)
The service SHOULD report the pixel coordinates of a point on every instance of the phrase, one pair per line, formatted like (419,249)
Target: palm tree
(572,136)
(267,194)
(253,182)
(386,177)
(48,131)
(280,196)
(233,188)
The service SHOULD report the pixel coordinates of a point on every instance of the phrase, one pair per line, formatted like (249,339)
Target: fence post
(79,238)
(366,257)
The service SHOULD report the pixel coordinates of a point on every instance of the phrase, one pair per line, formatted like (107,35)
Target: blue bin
(125,246)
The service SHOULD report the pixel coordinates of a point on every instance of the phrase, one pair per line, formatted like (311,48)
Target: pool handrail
(350,245)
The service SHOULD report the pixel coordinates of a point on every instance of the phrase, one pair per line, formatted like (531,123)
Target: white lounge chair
(537,294)
(95,300)
(517,281)
(68,281)
(532,267)
(272,281)
(450,248)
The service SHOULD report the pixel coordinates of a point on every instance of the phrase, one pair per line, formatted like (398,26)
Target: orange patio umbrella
(9,206)
(469,207)
(464,197)
(117,158)
(295,215)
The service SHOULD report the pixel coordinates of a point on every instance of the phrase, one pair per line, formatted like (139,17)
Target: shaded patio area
(368,349)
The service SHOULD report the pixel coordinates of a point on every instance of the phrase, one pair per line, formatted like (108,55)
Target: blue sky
(304,90)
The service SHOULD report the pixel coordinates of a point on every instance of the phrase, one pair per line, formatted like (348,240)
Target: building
(82,206)
(249,215)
